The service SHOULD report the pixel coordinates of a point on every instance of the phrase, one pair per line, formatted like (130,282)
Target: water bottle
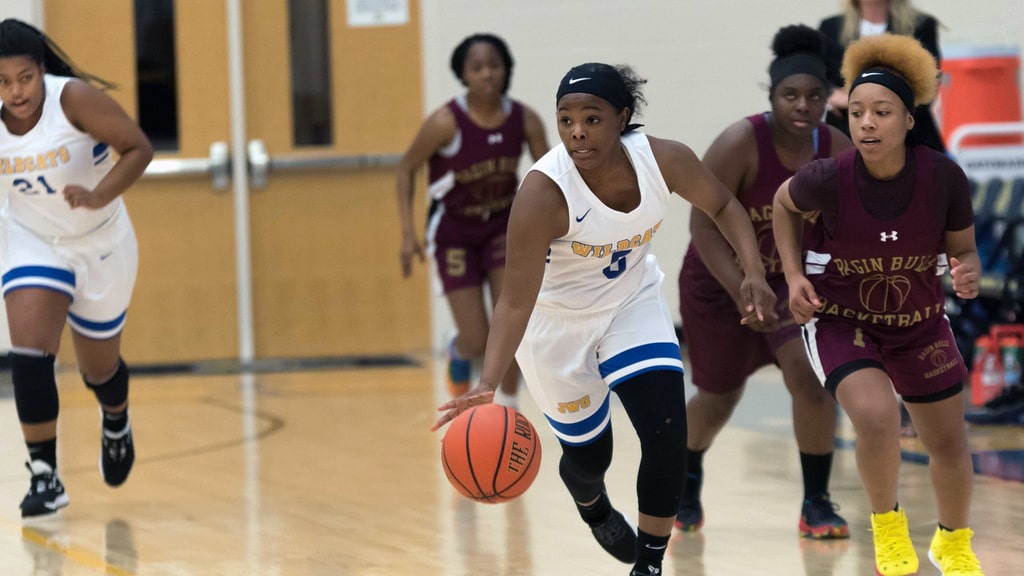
(1009,340)
(992,377)
(1011,365)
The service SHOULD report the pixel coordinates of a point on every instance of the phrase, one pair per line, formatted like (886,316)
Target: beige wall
(705,60)
(30,11)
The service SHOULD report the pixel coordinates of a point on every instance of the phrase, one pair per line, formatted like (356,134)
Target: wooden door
(324,242)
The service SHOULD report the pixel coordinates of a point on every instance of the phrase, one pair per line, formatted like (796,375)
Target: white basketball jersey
(35,168)
(605,257)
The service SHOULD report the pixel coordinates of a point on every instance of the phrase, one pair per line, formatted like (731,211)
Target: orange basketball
(491,453)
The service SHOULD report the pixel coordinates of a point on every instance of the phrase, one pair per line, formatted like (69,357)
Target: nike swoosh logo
(649,547)
(575,80)
(866,74)
(580,218)
(105,256)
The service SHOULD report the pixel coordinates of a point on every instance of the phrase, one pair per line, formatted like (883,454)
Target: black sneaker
(818,520)
(1009,395)
(46,492)
(648,570)
(117,455)
(617,537)
(1008,410)
(690,517)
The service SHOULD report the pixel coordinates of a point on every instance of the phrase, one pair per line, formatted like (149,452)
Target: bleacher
(999,214)
(996,176)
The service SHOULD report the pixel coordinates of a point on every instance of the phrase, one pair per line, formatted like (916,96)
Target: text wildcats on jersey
(41,161)
(604,250)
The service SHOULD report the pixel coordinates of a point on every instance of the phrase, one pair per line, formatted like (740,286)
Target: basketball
(491,453)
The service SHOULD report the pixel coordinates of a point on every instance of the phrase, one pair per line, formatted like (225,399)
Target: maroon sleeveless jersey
(882,274)
(479,179)
(757,200)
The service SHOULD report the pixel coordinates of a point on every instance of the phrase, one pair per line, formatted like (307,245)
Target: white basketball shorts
(96,271)
(571,362)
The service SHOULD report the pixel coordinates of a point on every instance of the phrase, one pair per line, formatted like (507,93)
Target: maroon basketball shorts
(722,352)
(923,361)
(464,250)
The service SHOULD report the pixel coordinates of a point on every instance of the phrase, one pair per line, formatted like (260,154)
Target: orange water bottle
(1010,339)
(987,376)
(1010,351)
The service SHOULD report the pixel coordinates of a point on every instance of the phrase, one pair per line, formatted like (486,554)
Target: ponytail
(18,38)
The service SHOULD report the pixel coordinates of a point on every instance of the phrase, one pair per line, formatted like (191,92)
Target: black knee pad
(35,388)
(582,468)
(656,404)
(113,392)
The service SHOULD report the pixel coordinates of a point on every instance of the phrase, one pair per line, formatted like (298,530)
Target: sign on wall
(378,12)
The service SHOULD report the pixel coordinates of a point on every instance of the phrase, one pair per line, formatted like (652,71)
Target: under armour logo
(495,138)
(889,236)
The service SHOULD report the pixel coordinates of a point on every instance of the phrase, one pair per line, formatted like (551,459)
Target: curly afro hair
(797,39)
(901,54)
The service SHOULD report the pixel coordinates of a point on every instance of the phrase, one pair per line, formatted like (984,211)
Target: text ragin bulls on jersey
(488,168)
(847,267)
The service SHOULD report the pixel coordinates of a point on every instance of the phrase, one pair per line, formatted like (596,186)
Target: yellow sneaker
(894,552)
(951,553)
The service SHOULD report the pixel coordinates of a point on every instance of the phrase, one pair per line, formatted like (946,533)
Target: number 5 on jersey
(617,265)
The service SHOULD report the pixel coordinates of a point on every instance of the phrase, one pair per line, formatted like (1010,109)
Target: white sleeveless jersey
(35,168)
(605,257)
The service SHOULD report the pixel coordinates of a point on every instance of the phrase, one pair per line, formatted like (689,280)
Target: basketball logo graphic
(881,294)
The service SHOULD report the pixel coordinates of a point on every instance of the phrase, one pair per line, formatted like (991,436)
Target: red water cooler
(980,84)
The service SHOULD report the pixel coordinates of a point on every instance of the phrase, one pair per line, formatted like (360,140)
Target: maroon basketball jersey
(882,273)
(479,178)
(757,200)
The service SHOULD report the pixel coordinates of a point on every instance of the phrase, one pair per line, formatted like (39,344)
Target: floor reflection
(821,556)
(1005,464)
(474,528)
(518,559)
(686,553)
(41,541)
(119,546)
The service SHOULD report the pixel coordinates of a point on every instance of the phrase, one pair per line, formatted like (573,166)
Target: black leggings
(656,405)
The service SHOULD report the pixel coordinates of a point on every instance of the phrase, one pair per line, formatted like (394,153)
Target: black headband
(797,64)
(598,81)
(602,81)
(889,80)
